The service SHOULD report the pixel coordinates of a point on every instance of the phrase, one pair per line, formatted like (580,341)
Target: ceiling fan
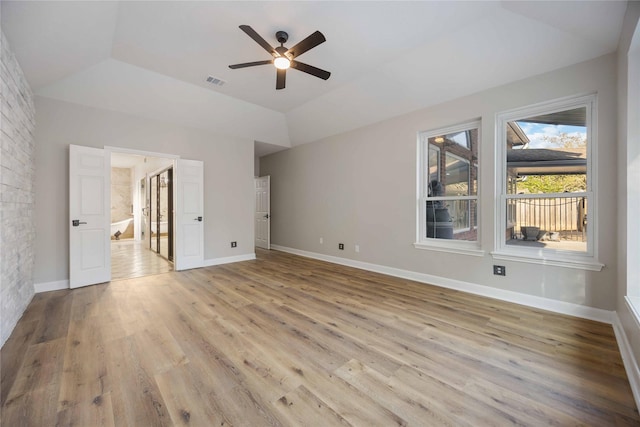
(284,58)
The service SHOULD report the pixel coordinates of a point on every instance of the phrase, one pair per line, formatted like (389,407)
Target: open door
(89,202)
(263,212)
(189,236)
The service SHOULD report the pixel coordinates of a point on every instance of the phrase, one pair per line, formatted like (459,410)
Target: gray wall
(17,229)
(228,176)
(360,188)
(628,197)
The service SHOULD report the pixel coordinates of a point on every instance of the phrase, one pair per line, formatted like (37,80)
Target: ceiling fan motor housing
(282,37)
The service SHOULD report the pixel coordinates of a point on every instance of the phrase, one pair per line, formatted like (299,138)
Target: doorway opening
(142,215)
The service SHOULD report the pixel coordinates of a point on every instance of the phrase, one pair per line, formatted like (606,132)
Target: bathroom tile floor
(130,258)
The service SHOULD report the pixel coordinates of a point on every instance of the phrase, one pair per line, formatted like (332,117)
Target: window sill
(634,307)
(577,262)
(452,247)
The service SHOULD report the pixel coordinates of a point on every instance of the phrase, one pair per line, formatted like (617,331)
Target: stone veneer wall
(17,210)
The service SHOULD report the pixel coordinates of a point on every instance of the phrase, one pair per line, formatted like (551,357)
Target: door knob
(76,222)
(198,219)
(266,216)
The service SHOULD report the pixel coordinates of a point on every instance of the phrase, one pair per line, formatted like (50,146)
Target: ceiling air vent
(215,81)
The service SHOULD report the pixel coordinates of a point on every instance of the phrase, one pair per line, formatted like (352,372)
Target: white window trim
(578,260)
(463,247)
(632,174)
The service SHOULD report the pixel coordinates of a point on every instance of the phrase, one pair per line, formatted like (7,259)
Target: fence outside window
(557,217)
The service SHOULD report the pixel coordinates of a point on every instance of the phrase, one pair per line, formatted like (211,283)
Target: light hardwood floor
(285,340)
(130,258)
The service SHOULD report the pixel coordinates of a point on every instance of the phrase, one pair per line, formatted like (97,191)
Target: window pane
(434,163)
(551,222)
(450,160)
(460,138)
(457,176)
(452,219)
(546,154)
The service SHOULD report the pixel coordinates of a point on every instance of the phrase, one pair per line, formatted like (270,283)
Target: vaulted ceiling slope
(386,58)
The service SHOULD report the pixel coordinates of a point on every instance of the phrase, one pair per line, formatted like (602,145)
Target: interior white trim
(112,149)
(56,285)
(555,306)
(472,250)
(630,364)
(633,303)
(422,242)
(519,255)
(589,260)
(228,259)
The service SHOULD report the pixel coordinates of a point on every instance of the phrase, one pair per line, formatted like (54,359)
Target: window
(546,205)
(448,187)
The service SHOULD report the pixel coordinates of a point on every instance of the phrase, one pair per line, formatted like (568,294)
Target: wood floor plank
(94,412)
(301,407)
(287,341)
(189,399)
(135,397)
(84,374)
(12,355)
(376,385)
(57,307)
(41,367)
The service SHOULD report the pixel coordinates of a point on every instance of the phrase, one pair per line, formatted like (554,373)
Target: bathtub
(120,226)
(164,227)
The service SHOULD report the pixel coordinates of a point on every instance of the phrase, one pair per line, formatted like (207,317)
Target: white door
(89,228)
(263,212)
(189,234)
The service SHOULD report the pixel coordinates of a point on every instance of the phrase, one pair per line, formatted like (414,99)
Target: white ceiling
(386,58)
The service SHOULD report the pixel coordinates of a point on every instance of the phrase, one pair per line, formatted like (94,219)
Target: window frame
(587,260)
(466,247)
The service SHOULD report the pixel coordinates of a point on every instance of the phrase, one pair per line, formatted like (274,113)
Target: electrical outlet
(357,248)
(321,240)
(341,246)
(499,270)
(234,244)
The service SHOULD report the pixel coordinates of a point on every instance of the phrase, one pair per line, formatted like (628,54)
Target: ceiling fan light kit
(281,63)
(283,58)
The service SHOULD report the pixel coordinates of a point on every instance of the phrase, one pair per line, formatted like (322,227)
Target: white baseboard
(228,259)
(630,364)
(51,286)
(561,307)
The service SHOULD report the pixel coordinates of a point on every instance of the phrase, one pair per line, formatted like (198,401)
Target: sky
(535,132)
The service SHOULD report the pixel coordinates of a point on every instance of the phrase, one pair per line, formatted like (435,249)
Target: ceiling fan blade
(309,43)
(310,69)
(258,39)
(281,76)
(251,64)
